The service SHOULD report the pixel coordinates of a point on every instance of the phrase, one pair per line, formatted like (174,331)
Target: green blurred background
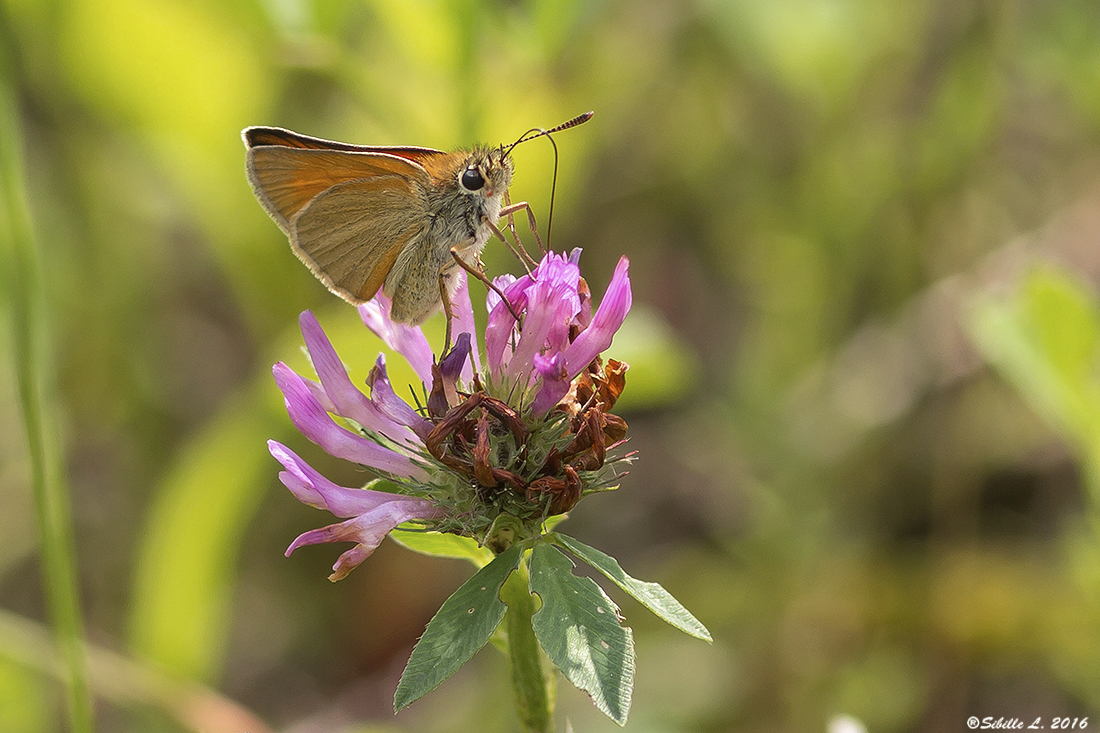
(865,346)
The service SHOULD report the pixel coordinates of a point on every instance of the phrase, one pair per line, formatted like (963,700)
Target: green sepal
(412,536)
(579,628)
(650,595)
(554,521)
(458,630)
(440,544)
(382,484)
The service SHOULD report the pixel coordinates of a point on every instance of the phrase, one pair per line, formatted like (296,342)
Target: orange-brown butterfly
(363,218)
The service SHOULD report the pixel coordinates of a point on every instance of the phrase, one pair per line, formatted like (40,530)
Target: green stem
(533,688)
(51,498)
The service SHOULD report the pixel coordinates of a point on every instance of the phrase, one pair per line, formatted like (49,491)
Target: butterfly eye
(472,179)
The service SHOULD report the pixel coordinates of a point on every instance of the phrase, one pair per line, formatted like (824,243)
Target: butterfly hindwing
(351,234)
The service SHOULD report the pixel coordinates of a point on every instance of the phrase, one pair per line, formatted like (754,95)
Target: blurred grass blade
(52,510)
(126,682)
(187,561)
(1044,337)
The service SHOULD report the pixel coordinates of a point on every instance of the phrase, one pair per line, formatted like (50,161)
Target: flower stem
(533,688)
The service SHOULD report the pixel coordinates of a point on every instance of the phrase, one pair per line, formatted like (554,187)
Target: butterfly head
(486,172)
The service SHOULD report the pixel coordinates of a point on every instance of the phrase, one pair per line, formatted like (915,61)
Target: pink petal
(348,401)
(551,306)
(409,341)
(320,395)
(311,488)
(389,404)
(314,422)
(555,383)
(608,318)
(501,325)
(464,323)
(366,530)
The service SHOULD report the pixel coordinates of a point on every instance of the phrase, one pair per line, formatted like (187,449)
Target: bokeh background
(865,346)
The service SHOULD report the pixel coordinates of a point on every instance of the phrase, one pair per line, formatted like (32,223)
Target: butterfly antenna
(536,132)
(553,190)
(539,132)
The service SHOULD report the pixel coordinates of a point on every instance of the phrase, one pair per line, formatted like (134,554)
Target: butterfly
(396,219)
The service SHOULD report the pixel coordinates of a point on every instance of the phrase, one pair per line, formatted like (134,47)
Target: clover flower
(502,440)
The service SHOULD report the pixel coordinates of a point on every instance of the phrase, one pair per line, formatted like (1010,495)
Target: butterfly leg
(488,283)
(519,252)
(517,247)
(510,209)
(445,296)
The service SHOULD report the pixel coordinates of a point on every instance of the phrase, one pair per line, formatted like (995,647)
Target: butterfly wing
(351,234)
(285,180)
(287,170)
(259,136)
(349,210)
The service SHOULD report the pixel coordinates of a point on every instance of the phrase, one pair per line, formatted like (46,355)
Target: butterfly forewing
(257,136)
(286,179)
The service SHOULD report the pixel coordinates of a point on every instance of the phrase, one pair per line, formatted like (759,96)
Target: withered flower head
(502,441)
